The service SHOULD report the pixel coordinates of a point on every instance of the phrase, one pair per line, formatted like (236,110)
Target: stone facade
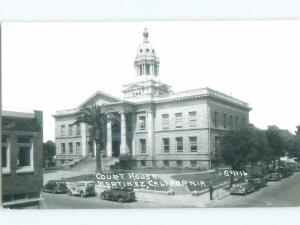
(159,127)
(22,158)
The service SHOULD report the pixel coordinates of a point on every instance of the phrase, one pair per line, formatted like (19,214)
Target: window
(155,69)
(141,69)
(70,127)
(166,144)
(216,119)
(24,156)
(90,147)
(179,163)
(78,132)
(225,121)
(166,163)
(63,148)
(147,69)
(178,120)
(243,122)
(25,152)
(142,122)
(230,122)
(143,145)
(165,121)
(5,155)
(78,150)
(23,140)
(193,163)
(143,163)
(70,148)
(62,130)
(193,119)
(179,144)
(236,122)
(193,144)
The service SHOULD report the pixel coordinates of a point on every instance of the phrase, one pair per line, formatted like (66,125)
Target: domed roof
(145,49)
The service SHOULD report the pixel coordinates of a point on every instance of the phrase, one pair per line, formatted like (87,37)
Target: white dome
(145,49)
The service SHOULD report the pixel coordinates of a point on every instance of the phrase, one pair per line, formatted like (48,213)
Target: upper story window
(62,130)
(165,121)
(230,122)
(225,121)
(155,70)
(179,144)
(78,132)
(5,155)
(243,122)
(147,69)
(25,152)
(178,120)
(140,69)
(166,144)
(70,130)
(193,119)
(143,145)
(142,122)
(63,148)
(193,144)
(236,122)
(216,119)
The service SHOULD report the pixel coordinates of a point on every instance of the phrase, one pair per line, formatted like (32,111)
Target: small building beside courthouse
(22,158)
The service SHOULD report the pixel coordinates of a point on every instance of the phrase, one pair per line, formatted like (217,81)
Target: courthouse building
(159,127)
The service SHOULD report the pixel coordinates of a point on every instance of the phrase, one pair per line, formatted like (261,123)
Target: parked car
(82,188)
(274,176)
(285,172)
(55,186)
(258,182)
(242,188)
(118,194)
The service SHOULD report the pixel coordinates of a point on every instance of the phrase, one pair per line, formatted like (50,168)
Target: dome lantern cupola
(146,62)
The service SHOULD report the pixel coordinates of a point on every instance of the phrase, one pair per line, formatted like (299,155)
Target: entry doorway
(116,148)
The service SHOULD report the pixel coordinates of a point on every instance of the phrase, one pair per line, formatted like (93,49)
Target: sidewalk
(182,200)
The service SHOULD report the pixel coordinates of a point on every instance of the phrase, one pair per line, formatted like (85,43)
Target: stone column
(124,147)
(133,133)
(83,139)
(109,139)
(150,133)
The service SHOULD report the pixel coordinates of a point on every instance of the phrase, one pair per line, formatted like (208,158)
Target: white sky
(55,66)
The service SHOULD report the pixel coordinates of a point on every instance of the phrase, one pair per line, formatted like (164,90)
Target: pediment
(100,98)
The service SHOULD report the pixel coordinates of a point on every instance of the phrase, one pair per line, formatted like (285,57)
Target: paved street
(282,193)
(276,194)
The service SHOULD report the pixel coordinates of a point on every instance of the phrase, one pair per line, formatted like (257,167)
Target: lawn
(199,178)
(124,179)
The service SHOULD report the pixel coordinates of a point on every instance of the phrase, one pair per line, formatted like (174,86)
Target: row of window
(73,130)
(72,147)
(24,152)
(178,118)
(179,163)
(166,146)
(229,121)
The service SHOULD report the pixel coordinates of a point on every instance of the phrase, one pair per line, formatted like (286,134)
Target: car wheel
(121,200)
(102,197)
(82,195)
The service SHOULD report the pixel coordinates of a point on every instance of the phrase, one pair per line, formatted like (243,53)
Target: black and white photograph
(118,115)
